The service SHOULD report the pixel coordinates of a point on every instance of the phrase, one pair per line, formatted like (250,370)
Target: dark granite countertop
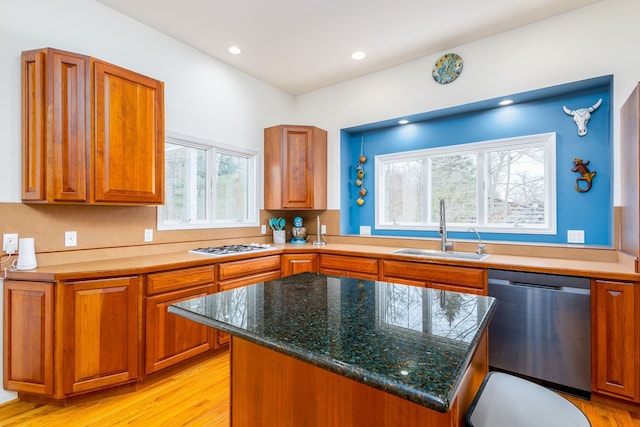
(408,341)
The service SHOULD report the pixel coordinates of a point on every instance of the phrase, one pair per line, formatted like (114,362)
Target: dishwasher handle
(539,279)
(547,287)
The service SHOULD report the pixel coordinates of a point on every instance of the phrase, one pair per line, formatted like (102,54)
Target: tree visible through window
(208,186)
(502,186)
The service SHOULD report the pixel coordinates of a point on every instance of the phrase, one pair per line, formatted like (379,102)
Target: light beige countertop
(605,264)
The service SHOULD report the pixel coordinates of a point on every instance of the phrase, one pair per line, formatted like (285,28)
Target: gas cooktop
(231,249)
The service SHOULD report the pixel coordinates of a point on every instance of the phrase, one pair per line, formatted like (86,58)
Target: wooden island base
(269,388)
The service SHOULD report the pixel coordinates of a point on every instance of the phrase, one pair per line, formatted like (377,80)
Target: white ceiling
(302,45)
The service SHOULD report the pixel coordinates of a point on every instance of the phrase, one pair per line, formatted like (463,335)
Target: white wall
(593,41)
(203,97)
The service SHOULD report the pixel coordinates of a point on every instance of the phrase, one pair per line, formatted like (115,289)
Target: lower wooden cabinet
(68,338)
(28,337)
(299,263)
(450,278)
(349,266)
(99,334)
(223,337)
(616,341)
(171,339)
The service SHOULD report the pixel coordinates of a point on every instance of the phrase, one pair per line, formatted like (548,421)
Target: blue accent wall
(533,112)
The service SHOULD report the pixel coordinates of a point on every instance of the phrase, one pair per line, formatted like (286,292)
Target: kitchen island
(319,350)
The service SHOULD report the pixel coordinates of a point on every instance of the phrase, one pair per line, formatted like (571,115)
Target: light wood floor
(198,396)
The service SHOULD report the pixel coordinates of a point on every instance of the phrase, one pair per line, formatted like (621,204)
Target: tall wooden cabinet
(92,132)
(616,340)
(295,168)
(630,175)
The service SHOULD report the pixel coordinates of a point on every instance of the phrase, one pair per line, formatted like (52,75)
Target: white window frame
(212,148)
(479,148)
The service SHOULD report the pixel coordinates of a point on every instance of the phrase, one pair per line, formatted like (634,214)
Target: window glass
(404,191)
(208,185)
(185,183)
(232,187)
(454,179)
(499,186)
(516,187)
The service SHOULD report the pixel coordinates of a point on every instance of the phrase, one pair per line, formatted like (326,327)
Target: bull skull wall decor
(582,115)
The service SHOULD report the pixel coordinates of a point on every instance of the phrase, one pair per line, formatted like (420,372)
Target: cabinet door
(223,337)
(295,167)
(28,337)
(299,263)
(616,341)
(171,339)
(129,137)
(100,333)
(54,126)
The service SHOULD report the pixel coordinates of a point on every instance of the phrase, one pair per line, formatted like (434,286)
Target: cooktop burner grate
(230,249)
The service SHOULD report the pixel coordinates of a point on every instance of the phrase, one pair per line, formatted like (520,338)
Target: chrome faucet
(444,245)
(481,247)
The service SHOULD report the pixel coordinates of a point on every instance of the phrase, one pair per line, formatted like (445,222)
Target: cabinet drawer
(246,267)
(179,279)
(430,273)
(349,263)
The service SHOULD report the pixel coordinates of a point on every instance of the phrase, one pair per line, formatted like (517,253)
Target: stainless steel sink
(432,253)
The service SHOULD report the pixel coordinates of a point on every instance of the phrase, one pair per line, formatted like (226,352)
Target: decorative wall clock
(447,68)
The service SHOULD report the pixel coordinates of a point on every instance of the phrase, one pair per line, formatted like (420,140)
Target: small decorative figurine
(582,115)
(586,175)
(299,232)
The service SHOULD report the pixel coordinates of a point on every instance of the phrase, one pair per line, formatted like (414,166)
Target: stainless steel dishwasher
(541,328)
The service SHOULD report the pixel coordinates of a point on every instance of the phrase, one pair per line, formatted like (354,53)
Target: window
(505,186)
(208,185)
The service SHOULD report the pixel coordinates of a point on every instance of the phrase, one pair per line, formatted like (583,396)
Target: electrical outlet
(70,238)
(10,243)
(263,229)
(323,229)
(575,236)
(148,235)
(365,230)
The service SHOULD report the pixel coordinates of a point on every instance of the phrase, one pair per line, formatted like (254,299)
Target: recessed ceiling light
(505,102)
(235,50)
(359,55)
(403,122)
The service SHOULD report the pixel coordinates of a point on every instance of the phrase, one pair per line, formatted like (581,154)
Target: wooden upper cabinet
(55,107)
(295,159)
(92,132)
(129,137)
